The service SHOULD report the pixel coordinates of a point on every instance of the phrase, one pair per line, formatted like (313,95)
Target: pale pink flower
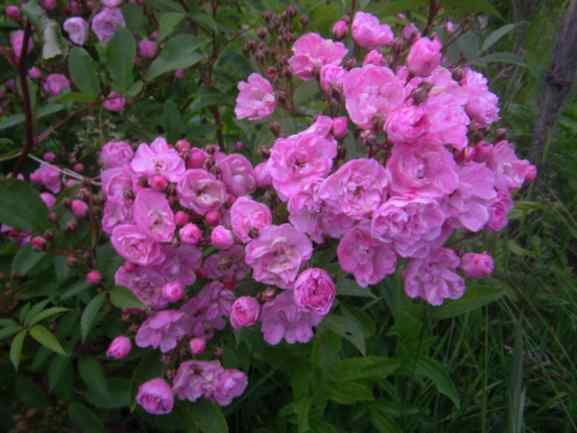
(244,312)
(314,291)
(201,191)
(181,264)
(116,212)
(356,189)
(161,331)
(256,99)
(477,265)
(147,49)
(331,78)
(237,174)
(158,158)
(499,210)
(369,261)
(248,217)
(77,29)
(277,255)
(425,55)
(56,84)
(155,397)
(153,215)
(47,176)
(482,104)
(433,278)
(106,22)
(115,153)
(208,310)
(369,33)
(117,183)
(145,282)
(232,384)
(311,52)
(135,246)
(227,265)
(510,171)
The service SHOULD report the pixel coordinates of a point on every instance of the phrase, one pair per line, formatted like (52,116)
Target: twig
(433,11)
(65,171)
(49,131)
(26,105)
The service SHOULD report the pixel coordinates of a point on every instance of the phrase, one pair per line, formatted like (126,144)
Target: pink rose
(116,212)
(371,93)
(155,397)
(482,104)
(314,291)
(162,330)
(146,282)
(221,238)
(115,153)
(48,176)
(56,84)
(226,265)
(119,348)
(410,31)
(374,57)
(510,171)
(425,55)
(201,191)
(158,159)
(237,174)
(77,29)
(331,78)
(433,278)
(499,210)
(153,215)
(114,102)
(173,291)
(369,33)
(106,22)
(244,312)
(477,265)
(232,384)
(356,189)
(248,217)
(181,264)
(340,29)
(368,260)
(311,52)
(132,244)
(190,234)
(117,183)
(256,99)
(277,255)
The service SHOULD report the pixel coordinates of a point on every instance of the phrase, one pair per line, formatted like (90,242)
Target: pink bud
(78,167)
(239,146)
(79,208)
(196,158)
(221,238)
(71,225)
(48,199)
(49,156)
(129,267)
(197,345)
(340,127)
(181,218)
(93,277)
(48,4)
(158,183)
(183,146)
(212,217)
(38,243)
(114,102)
(147,49)
(179,74)
(173,291)
(477,265)
(13,12)
(531,173)
(119,348)
(190,234)
(244,312)
(263,178)
(35,73)
(340,29)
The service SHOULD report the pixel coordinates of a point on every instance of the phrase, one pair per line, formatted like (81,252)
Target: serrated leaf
(21,206)
(26,259)
(90,314)
(123,298)
(93,376)
(496,36)
(85,419)
(16,348)
(168,22)
(46,338)
(120,54)
(46,314)
(83,72)
(438,374)
(181,51)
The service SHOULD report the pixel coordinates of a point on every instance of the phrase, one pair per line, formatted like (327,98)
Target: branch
(558,81)
(26,106)
(433,11)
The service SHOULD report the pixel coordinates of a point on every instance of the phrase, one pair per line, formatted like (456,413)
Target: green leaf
(46,314)
(347,327)
(349,392)
(382,422)
(93,376)
(475,297)
(121,51)
(302,410)
(168,22)
(85,419)
(83,72)
(370,367)
(438,374)
(31,394)
(16,119)
(123,298)
(26,259)
(76,288)
(206,417)
(349,287)
(172,121)
(166,5)
(21,206)
(180,52)
(135,19)
(46,338)
(90,314)
(9,331)
(33,11)
(393,7)
(16,348)
(496,36)
(59,367)
(462,8)
(34,310)
(205,21)
(506,58)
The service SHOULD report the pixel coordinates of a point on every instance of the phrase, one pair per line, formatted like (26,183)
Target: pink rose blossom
(433,278)
(221,238)
(146,282)
(232,384)
(190,234)
(227,265)
(369,261)
(106,22)
(119,348)
(77,29)
(56,84)
(201,191)
(331,78)
(155,397)
(499,210)
(116,212)
(340,29)
(135,246)
(282,319)
(311,52)
(356,189)
(482,104)
(374,57)
(256,99)
(111,3)
(117,183)
(262,175)
(277,255)
(477,265)
(79,208)
(244,312)
(208,310)
(410,31)
(158,159)
(47,176)
(147,49)
(248,217)
(425,55)
(369,33)
(314,291)
(114,102)
(153,215)
(510,171)
(161,330)
(237,174)
(371,93)
(116,153)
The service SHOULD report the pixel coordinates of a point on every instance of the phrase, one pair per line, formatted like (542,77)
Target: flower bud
(115,102)
(244,312)
(197,345)
(158,183)
(212,217)
(155,397)
(262,175)
(49,156)
(93,277)
(79,208)
(197,158)
(179,74)
(221,238)
(48,4)
(183,146)
(147,49)
(78,167)
(190,234)
(119,348)
(13,12)
(340,127)
(48,199)
(275,128)
(477,265)
(340,29)
(173,291)
(181,218)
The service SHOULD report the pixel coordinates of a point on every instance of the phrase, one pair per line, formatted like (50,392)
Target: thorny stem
(26,105)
